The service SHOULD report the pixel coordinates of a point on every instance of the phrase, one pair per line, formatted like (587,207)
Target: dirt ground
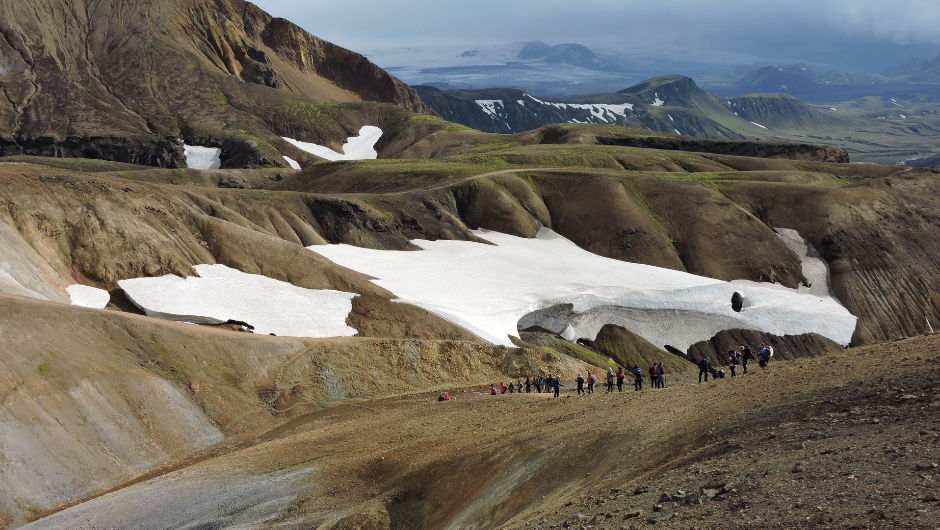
(848,440)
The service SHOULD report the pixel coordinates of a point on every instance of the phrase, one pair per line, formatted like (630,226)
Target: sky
(862,35)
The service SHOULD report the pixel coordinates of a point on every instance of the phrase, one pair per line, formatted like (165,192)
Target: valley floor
(849,440)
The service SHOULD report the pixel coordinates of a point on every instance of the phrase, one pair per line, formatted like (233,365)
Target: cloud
(643,27)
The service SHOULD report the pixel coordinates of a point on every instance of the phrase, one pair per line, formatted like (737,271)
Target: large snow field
(220,294)
(360,147)
(87,296)
(494,290)
(601,112)
(198,157)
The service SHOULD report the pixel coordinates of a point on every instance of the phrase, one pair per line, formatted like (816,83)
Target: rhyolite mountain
(125,80)
(673,104)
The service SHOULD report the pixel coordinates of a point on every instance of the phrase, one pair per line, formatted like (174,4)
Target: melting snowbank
(360,147)
(292,163)
(551,282)
(198,157)
(87,296)
(220,294)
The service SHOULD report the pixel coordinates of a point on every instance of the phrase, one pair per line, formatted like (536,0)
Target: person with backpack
(493,391)
(590,381)
(528,385)
(538,384)
(704,367)
(519,387)
(746,356)
(621,375)
(556,384)
(580,382)
(653,374)
(661,378)
(763,356)
(733,359)
(610,381)
(637,378)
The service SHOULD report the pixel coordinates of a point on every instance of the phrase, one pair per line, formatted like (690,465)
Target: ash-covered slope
(124,80)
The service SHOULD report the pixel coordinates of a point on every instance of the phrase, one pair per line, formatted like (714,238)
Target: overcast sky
(858,34)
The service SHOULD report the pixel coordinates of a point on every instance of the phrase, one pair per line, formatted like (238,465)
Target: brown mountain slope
(122,80)
(844,441)
(90,399)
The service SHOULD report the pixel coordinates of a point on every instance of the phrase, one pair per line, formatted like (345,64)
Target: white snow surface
(657,102)
(220,294)
(291,162)
(759,125)
(600,112)
(489,106)
(88,296)
(360,147)
(198,157)
(494,290)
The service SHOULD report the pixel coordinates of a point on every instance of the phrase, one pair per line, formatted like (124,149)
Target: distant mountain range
(673,104)
(917,70)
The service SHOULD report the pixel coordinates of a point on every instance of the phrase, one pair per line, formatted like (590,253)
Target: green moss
(44,367)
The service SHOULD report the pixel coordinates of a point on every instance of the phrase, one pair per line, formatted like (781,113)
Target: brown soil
(848,440)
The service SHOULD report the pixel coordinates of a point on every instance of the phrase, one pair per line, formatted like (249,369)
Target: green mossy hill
(628,349)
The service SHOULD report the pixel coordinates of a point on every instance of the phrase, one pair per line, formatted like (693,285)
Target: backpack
(704,364)
(591,379)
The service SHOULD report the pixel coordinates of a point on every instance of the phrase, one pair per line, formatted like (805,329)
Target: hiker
(717,373)
(493,391)
(610,381)
(590,381)
(519,387)
(661,378)
(620,377)
(580,383)
(538,384)
(502,388)
(512,387)
(733,359)
(528,385)
(637,378)
(444,397)
(763,356)
(746,355)
(704,366)
(556,384)
(653,375)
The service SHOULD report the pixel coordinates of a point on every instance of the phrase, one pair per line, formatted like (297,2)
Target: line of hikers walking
(737,357)
(657,374)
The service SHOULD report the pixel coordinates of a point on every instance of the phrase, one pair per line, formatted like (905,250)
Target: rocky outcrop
(787,347)
(751,148)
(121,80)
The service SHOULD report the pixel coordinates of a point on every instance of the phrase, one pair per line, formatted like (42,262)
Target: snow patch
(198,157)
(600,112)
(657,102)
(360,147)
(220,294)
(494,290)
(759,125)
(677,132)
(670,117)
(903,117)
(87,296)
(291,162)
(833,108)
(489,106)
(893,101)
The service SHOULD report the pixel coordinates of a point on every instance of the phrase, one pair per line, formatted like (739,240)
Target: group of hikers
(657,373)
(737,357)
